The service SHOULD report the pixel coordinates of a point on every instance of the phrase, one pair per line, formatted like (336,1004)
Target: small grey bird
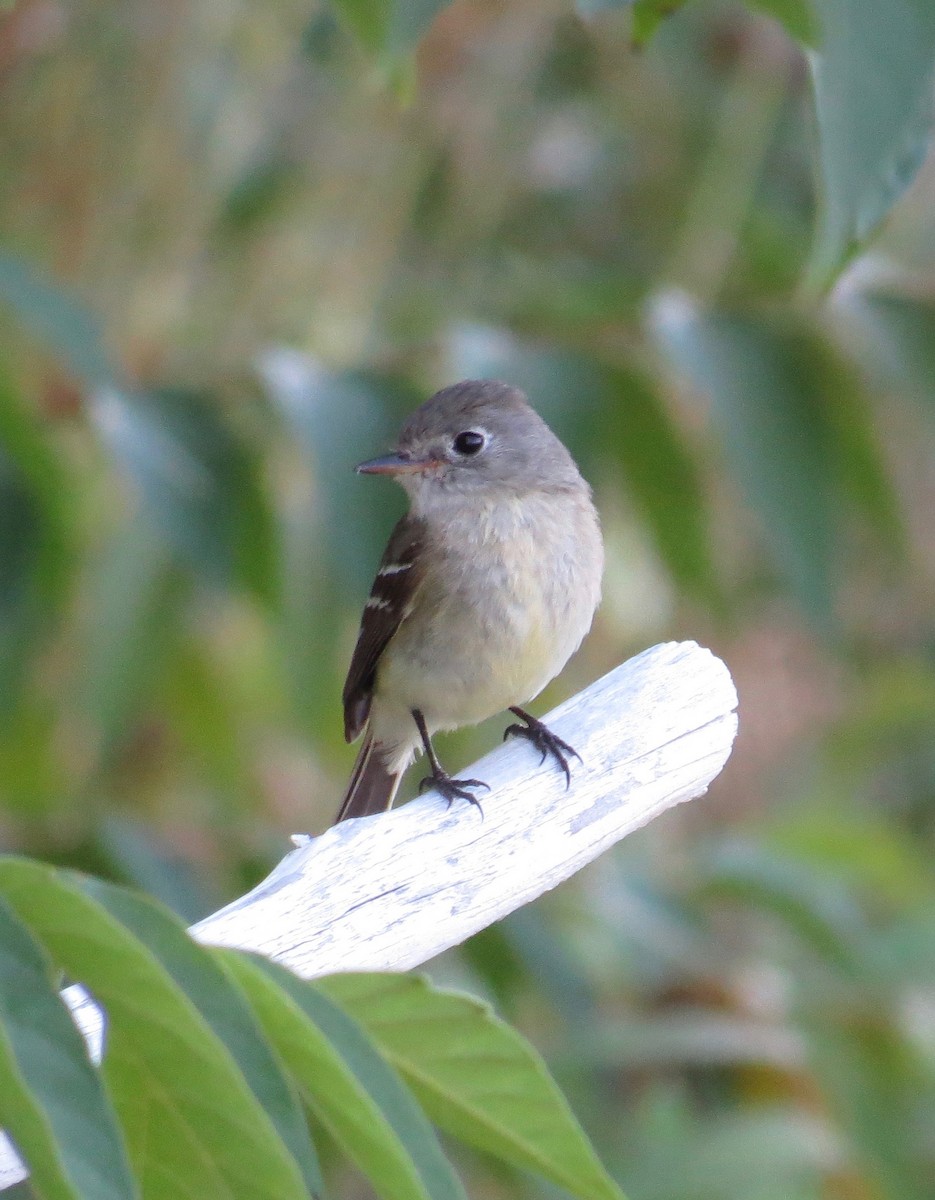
(486,588)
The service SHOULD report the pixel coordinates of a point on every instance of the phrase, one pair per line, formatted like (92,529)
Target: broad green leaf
(873,80)
(33,539)
(494,961)
(22,536)
(859,454)
(875,1085)
(22,440)
(222,1004)
(348,1085)
(798,18)
(897,340)
(339,418)
(140,856)
(34,782)
(206,716)
(193,1127)
(52,1102)
(662,478)
(475,1077)
(766,387)
(334,533)
(368,20)
(129,615)
(198,483)
(56,317)
(389,29)
(863,847)
(648,15)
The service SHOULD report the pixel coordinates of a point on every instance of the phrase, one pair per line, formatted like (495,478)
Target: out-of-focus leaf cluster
(216,1064)
(240,245)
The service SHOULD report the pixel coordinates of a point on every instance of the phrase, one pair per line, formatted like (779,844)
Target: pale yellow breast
(503,606)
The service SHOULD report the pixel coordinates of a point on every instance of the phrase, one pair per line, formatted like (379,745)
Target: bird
(486,588)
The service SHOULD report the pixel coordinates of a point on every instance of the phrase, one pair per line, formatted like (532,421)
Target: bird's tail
(372,787)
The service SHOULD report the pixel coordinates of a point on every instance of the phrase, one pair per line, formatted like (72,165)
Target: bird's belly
(453,688)
(464,661)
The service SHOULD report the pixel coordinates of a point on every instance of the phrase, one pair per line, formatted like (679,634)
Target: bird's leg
(545,741)
(440,779)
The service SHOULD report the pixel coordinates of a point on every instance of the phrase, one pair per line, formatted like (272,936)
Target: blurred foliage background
(241,242)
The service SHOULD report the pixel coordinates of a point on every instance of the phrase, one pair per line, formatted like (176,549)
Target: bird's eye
(469,442)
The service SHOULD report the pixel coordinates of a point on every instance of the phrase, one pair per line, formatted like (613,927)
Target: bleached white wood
(389,892)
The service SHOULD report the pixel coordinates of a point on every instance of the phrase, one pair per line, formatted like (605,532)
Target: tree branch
(390,891)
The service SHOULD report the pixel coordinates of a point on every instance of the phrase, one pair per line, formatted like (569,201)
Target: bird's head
(476,436)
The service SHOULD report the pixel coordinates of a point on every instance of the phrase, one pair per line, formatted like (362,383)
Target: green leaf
(349,1086)
(192,1126)
(766,385)
(52,1102)
(368,20)
(53,315)
(648,15)
(873,80)
(876,1084)
(475,1077)
(20,536)
(859,454)
(662,479)
(863,847)
(34,782)
(129,614)
(389,29)
(139,856)
(338,418)
(222,1004)
(797,17)
(33,539)
(198,483)
(897,339)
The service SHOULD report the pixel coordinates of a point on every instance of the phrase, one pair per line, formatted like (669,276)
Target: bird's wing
(401,570)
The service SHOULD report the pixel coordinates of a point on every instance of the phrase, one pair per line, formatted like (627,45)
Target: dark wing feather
(401,570)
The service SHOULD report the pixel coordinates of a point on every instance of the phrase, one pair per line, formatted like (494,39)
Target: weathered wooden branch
(389,892)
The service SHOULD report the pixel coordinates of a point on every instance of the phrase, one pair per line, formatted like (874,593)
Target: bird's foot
(452,788)
(545,741)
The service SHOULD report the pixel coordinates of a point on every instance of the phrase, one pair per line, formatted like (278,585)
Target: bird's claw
(453,789)
(545,741)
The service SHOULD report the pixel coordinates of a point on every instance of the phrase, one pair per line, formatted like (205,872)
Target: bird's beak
(396,464)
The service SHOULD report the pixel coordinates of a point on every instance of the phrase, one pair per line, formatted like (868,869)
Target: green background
(241,242)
